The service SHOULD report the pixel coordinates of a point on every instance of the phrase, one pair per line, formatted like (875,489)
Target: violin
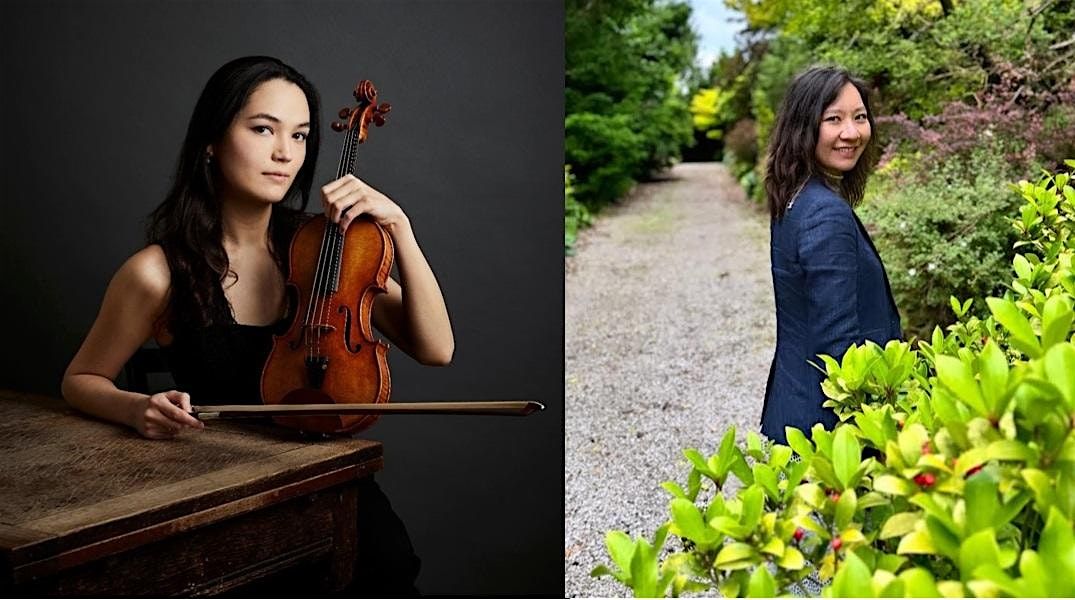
(328,354)
(327,373)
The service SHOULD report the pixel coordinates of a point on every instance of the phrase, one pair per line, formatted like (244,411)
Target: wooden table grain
(91,508)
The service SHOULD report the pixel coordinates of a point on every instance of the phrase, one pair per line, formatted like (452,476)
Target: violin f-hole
(346,312)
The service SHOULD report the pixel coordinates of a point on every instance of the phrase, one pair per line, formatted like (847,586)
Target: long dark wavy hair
(792,159)
(187,224)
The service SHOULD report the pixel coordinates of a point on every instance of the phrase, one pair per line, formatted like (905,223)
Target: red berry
(799,533)
(899,425)
(925,479)
(974,470)
(834,496)
(926,448)
(836,543)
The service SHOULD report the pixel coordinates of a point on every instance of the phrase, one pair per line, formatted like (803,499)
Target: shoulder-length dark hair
(187,224)
(792,145)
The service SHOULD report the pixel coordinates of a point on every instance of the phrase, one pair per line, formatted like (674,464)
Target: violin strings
(332,241)
(313,331)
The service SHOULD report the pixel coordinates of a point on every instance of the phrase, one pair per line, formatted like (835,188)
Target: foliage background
(969,95)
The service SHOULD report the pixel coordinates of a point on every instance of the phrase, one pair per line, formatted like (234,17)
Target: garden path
(669,331)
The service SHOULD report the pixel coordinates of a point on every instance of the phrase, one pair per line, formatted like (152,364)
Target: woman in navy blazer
(830,287)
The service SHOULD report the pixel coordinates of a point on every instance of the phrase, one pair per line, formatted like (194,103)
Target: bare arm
(136,296)
(412,315)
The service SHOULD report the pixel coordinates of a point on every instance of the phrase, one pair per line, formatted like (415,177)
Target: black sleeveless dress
(222,364)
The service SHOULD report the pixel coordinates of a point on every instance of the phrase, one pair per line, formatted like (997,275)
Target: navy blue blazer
(831,291)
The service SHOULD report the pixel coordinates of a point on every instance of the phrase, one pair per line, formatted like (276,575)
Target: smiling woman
(830,287)
(209,286)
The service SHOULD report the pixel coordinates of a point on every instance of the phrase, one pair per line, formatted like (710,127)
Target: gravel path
(669,332)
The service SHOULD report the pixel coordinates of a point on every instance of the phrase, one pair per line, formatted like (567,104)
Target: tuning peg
(345,112)
(337,126)
(378,120)
(384,108)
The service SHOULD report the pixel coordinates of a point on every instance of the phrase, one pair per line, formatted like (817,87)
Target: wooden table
(91,508)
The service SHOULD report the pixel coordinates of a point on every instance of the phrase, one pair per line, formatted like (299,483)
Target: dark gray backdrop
(95,101)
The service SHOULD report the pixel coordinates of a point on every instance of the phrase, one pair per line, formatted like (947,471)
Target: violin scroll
(367,111)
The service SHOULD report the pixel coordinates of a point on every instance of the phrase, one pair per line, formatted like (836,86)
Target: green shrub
(576,215)
(604,152)
(951,472)
(947,232)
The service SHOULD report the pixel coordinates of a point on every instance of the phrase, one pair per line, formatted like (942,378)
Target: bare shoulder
(145,275)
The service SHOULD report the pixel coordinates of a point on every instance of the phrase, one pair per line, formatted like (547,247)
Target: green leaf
(673,488)
(993,370)
(699,462)
(958,377)
(795,475)
(978,549)
(872,499)
(982,504)
(822,439)
(762,584)
(956,307)
(999,578)
(1056,322)
(600,571)
(766,478)
(1010,509)
(792,560)
(824,471)
(1057,549)
(1040,482)
(1022,267)
(1009,450)
(852,579)
(779,456)
(917,542)
(688,522)
(900,524)
(845,508)
(730,527)
(725,456)
(1060,371)
(736,555)
(896,486)
(775,547)
(919,583)
(620,548)
(753,504)
(847,454)
(644,571)
(1035,575)
(1022,336)
(754,445)
(943,535)
(799,443)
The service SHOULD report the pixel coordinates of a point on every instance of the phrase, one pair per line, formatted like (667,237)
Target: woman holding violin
(210,285)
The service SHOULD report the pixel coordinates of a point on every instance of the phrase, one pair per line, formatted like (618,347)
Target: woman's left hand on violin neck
(348,197)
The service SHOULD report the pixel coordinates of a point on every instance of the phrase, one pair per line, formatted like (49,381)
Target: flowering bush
(942,235)
(951,473)
(1016,113)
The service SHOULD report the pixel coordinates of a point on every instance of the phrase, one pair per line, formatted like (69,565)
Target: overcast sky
(711,20)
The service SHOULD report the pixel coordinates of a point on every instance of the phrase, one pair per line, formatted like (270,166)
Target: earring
(208,159)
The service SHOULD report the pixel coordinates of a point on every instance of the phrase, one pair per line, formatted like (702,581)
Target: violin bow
(519,408)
